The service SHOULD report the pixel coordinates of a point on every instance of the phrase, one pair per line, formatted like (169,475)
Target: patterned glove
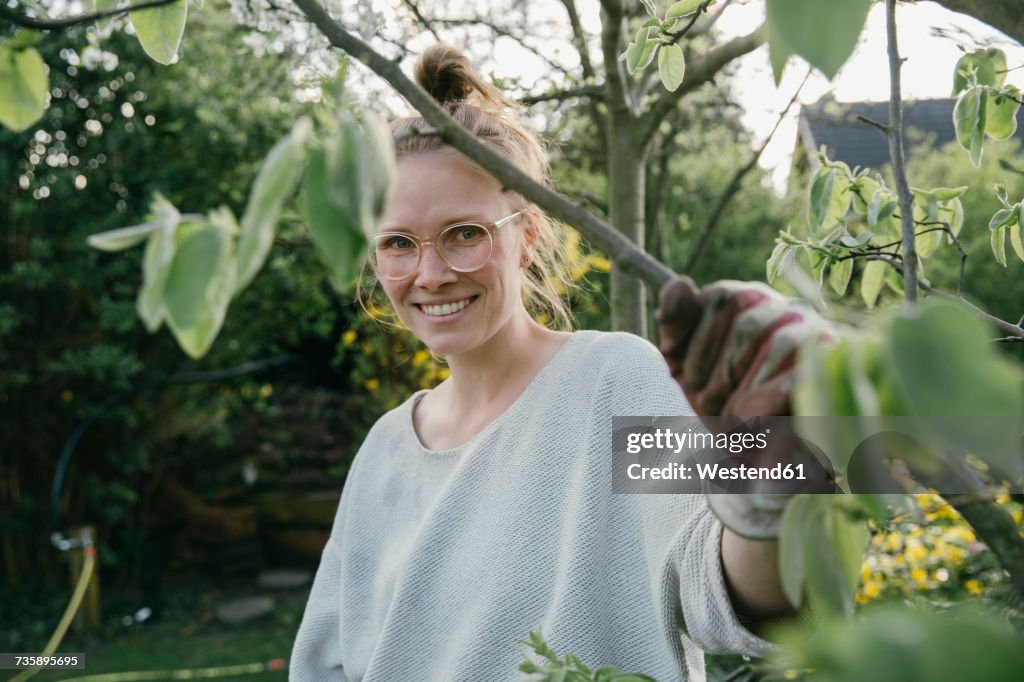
(732,348)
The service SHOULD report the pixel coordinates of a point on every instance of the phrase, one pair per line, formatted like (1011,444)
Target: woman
(482,509)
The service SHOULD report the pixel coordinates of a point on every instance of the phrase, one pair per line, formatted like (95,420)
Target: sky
(927,72)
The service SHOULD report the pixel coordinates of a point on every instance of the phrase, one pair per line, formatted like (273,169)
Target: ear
(531,235)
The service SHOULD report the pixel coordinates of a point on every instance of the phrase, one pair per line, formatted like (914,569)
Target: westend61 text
(717,472)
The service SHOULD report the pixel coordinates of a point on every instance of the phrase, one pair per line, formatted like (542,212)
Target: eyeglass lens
(465,247)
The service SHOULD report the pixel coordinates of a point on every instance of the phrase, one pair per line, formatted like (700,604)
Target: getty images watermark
(785,455)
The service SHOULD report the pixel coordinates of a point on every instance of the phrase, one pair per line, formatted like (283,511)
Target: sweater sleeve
(316,654)
(683,537)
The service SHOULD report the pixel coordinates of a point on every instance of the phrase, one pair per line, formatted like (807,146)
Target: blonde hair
(447,75)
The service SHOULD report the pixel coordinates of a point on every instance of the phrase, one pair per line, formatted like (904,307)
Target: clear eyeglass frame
(488,228)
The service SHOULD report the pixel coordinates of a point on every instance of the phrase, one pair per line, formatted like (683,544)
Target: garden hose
(89,553)
(187,673)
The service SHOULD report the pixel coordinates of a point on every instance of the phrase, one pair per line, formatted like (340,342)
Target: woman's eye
(470,232)
(399,243)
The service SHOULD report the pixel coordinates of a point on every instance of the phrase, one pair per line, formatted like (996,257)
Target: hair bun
(446,74)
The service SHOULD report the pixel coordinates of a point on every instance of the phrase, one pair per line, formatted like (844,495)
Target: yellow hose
(88,565)
(188,674)
(89,552)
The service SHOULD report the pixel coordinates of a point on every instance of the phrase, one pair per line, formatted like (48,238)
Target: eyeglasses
(464,247)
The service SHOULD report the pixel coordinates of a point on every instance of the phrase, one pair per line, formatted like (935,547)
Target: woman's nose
(432,271)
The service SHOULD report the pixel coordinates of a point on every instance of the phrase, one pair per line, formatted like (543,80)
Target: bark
(1005,15)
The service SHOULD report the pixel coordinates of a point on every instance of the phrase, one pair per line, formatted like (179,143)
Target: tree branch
(579,38)
(503,32)
(734,185)
(19,19)
(591,91)
(411,6)
(626,254)
(896,154)
(897,262)
(698,72)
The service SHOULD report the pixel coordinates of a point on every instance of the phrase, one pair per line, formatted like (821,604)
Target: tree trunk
(626,210)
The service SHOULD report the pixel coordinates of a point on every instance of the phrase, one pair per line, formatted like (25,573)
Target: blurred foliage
(120,128)
(997,289)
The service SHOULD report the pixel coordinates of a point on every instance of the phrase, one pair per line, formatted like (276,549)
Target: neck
(502,367)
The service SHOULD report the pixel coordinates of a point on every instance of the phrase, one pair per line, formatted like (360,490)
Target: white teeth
(446,309)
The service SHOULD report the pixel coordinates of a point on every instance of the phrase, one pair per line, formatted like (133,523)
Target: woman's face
(453,312)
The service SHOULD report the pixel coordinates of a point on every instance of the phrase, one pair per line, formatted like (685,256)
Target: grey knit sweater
(441,563)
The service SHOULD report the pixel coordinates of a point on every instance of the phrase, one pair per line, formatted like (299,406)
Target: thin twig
(871,122)
(677,36)
(19,19)
(734,185)
(896,154)
(424,22)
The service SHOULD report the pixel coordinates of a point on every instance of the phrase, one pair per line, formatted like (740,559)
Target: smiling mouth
(445,308)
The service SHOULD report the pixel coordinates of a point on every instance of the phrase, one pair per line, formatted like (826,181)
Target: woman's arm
(751,570)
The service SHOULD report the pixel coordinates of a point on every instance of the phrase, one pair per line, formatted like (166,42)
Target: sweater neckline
(537,380)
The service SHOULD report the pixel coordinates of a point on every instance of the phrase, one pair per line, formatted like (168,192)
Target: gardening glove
(732,346)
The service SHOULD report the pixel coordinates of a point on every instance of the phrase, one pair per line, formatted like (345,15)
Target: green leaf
(998,240)
(201,282)
(988,66)
(823,33)
(839,275)
(1002,217)
(943,363)
(23,84)
(160,29)
(948,193)
(871,281)
(820,552)
(862,190)
(684,8)
(820,198)
(336,232)
(274,183)
(649,6)
(969,121)
(156,263)
(103,6)
(1016,234)
(792,569)
(1001,113)
(122,238)
(671,66)
(778,55)
(956,219)
(641,51)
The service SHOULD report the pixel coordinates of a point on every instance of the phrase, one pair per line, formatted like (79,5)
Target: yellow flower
(372,384)
(348,338)
(916,551)
(600,263)
(919,575)
(973,586)
(419,358)
(893,542)
(367,348)
(66,395)
(443,373)
(266,390)
(871,589)
(1018,516)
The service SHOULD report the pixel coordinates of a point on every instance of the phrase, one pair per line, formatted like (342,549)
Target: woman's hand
(732,345)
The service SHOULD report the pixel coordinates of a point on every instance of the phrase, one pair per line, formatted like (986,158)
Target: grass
(188,635)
